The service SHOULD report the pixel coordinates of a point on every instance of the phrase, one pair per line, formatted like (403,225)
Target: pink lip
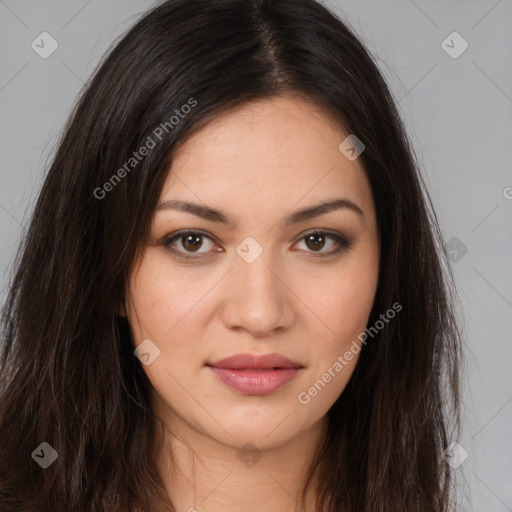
(255,375)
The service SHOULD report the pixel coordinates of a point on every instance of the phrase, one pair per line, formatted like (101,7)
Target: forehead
(269,151)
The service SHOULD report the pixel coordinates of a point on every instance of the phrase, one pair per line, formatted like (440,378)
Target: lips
(251,362)
(255,374)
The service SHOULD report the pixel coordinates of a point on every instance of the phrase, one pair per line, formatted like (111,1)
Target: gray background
(459,115)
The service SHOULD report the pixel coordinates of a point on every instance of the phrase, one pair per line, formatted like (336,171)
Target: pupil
(314,242)
(192,241)
(314,239)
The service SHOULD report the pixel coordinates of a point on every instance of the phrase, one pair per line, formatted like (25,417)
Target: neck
(200,473)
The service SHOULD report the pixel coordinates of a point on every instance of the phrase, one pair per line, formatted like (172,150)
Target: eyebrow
(211,214)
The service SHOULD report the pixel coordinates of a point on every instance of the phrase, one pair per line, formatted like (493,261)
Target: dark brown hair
(68,373)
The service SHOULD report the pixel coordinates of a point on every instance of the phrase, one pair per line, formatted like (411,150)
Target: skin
(256,163)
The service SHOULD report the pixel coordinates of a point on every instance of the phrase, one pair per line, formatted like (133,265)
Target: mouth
(255,374)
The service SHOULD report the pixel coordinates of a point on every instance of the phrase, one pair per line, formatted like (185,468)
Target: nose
(258,298)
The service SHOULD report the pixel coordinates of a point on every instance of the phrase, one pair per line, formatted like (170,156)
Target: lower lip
(255,382)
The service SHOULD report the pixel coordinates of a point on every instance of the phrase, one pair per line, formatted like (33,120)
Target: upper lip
(254,361)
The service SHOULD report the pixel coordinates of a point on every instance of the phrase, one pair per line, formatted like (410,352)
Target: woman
(232,293)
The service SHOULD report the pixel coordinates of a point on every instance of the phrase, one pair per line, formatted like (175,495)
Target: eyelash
(342,242)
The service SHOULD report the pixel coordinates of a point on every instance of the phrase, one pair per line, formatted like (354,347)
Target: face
(243,263)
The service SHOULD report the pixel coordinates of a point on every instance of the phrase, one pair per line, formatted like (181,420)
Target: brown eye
(185,243)
(191,242)
(315,241)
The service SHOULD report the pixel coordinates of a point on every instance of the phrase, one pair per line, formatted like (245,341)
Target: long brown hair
(69,377)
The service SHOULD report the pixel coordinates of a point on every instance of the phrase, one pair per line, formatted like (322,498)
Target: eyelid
(342,241)
(168,240)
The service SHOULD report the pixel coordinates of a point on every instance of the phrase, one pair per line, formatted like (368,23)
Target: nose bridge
(259,300)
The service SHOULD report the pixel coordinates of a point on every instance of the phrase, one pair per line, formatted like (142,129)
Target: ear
(122,310)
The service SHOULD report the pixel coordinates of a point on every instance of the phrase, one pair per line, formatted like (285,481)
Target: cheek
(342,300)
(168,309)
(347,310)
(343,303)
(163,304)
(336,348)
(163,296)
